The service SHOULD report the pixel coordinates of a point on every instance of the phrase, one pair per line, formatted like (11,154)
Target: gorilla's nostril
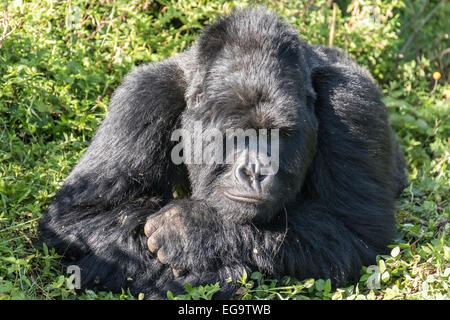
(261,177)
(245,173)
(249,174)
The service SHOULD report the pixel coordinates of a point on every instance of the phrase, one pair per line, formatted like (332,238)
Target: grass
(60,62)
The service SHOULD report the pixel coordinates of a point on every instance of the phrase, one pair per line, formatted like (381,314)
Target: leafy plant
(61,61)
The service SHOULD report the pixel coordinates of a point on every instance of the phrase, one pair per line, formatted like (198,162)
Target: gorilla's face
(270,100)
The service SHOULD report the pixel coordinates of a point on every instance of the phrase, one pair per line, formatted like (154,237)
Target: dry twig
(333,25)
(5,23)
(416,31)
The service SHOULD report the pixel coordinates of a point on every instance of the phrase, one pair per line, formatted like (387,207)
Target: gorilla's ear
(212,40)
(130,153)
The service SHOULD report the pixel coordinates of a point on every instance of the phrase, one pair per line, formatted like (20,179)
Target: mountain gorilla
(326,212)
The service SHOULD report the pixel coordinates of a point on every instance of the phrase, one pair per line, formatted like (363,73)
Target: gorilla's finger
(178,272)
(154,242)
(161,256)
(151,226)
(151,244)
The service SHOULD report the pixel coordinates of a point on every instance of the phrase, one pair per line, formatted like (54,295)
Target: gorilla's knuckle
(173,211)
(150,227)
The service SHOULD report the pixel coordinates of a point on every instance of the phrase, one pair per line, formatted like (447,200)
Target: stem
(424,21)
(333,24)
(434,88)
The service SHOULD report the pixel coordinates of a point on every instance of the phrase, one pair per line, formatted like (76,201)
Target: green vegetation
(61,60)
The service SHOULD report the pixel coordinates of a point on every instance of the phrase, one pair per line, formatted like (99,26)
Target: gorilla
(326,212)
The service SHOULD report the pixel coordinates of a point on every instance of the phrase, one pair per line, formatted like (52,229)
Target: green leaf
(256,276)
(395,251)
(381,266)
(327,288)
(45,249)
(320,285)
(6,287)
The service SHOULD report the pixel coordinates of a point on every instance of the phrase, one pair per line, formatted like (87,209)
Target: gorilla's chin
(264,215)
(245,208)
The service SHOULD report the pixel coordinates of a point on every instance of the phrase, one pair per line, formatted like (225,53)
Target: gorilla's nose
(249,174)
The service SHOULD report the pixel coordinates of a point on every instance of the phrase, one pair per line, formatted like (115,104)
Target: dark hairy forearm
(295,239)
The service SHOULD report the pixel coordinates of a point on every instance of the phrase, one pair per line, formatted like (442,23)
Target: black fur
(340,172)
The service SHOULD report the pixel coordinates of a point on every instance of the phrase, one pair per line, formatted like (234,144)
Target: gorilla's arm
(126,174)
(130,153)
(305,241)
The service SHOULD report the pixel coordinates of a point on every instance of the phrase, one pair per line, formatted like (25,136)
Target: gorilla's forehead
(248,71)
(224,113)
(254,88)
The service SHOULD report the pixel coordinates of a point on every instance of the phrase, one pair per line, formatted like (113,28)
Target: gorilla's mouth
(248,198)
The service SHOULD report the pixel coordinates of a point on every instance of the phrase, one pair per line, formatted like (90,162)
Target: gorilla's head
(254,81)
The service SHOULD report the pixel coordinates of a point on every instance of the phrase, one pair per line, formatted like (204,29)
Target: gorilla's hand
(194,240)
(178,237)
(169,221)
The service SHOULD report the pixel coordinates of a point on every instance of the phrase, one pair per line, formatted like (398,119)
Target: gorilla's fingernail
(151,245)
